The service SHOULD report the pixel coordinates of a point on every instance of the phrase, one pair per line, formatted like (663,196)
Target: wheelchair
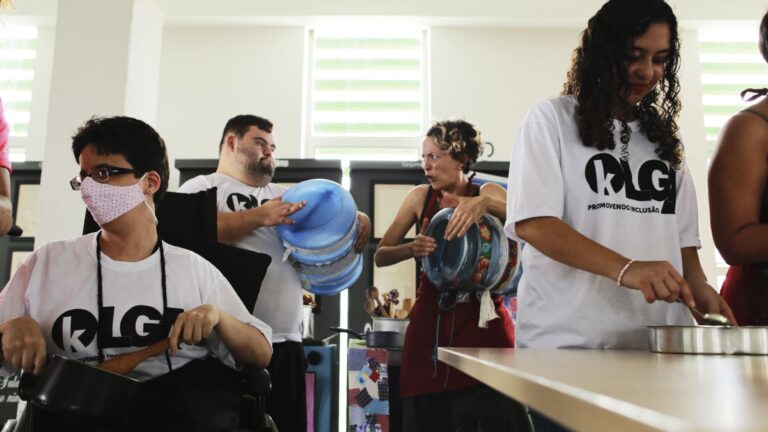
(189,221)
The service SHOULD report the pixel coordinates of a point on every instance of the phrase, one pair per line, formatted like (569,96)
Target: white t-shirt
(57,286)
(641,209)
(280,302)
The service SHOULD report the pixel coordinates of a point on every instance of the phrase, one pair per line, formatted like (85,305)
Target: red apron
(458,327)
(746,290)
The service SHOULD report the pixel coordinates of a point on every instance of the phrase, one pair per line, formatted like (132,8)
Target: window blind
(730,62)
(18,51)
(367,84)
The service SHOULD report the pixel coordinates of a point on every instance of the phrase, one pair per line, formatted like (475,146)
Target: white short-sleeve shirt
(640,208)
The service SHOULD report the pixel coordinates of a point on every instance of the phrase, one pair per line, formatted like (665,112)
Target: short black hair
(133,139)
(240,124)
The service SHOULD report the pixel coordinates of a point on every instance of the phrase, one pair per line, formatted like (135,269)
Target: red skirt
(746,291)
(419,374)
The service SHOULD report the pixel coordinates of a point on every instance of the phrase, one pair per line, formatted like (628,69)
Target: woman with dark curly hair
(599,191)
(738,200)
(435,396)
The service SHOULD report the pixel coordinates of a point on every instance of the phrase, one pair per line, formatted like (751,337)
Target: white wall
(691,125)
(491,77)
(488,75)
(210,74)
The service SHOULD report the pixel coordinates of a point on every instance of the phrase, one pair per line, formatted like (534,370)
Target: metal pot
(709,339)
(390,324)
(376,339)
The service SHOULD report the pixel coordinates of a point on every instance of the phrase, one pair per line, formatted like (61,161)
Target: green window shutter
(18,52)
(367,85)
(730,62)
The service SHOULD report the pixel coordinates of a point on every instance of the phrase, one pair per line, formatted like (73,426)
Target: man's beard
(258,167)
(264,169)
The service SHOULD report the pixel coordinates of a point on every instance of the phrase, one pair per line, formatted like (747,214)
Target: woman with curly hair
(600,192)
(435,396)
(738,200)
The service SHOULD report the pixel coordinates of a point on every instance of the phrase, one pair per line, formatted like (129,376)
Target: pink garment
(108,202)
(5,159)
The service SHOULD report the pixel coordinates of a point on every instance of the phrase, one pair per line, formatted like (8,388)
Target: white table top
(597,390)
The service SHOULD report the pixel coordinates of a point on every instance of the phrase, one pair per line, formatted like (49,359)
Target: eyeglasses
(101,175)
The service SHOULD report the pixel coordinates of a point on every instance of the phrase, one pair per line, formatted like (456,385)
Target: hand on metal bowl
(712,318)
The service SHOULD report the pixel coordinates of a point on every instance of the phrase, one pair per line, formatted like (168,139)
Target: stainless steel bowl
(709,340)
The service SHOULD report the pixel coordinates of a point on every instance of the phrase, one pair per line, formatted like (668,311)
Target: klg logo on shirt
(239,202)
(74,330)
(607,176)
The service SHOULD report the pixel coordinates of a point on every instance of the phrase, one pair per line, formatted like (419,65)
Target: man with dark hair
(122,288)
(137,142)
(249,207)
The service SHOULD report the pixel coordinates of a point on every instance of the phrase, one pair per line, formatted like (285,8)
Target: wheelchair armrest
(257,381)
(253,403)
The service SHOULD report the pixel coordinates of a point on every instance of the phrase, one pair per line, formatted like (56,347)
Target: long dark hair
(598,78)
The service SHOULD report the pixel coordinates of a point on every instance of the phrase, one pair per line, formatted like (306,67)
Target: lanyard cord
(100,296)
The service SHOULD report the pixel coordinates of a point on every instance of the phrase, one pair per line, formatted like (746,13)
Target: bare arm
(707,299)
(6,210)
(492,199)
(390,250)
(737,177)
(246,343)
(363,231)
(235,225)
(657,280)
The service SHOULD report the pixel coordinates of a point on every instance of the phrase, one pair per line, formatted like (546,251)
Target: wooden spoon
(124,364)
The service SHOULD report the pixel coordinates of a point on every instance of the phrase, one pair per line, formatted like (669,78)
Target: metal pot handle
(355,334)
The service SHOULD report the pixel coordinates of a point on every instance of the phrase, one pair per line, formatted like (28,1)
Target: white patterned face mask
(108,202)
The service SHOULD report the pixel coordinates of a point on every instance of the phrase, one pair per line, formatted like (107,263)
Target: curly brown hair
(460,138)
(598,78)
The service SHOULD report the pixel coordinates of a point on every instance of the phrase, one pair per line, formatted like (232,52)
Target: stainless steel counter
(597,390)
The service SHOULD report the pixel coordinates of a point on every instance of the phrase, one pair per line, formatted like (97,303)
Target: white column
(106,62)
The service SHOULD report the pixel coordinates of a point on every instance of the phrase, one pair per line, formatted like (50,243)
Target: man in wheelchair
(122,288)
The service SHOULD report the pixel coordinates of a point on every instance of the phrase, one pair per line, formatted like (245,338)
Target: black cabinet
(25,187)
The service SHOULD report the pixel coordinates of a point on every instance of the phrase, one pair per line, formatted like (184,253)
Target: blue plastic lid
(492,237)
(328,272)
(324,221)
(475,262)
(328,254)
(445,265)
(337,285)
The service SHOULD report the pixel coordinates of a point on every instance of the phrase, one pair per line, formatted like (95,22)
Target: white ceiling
(558,13)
